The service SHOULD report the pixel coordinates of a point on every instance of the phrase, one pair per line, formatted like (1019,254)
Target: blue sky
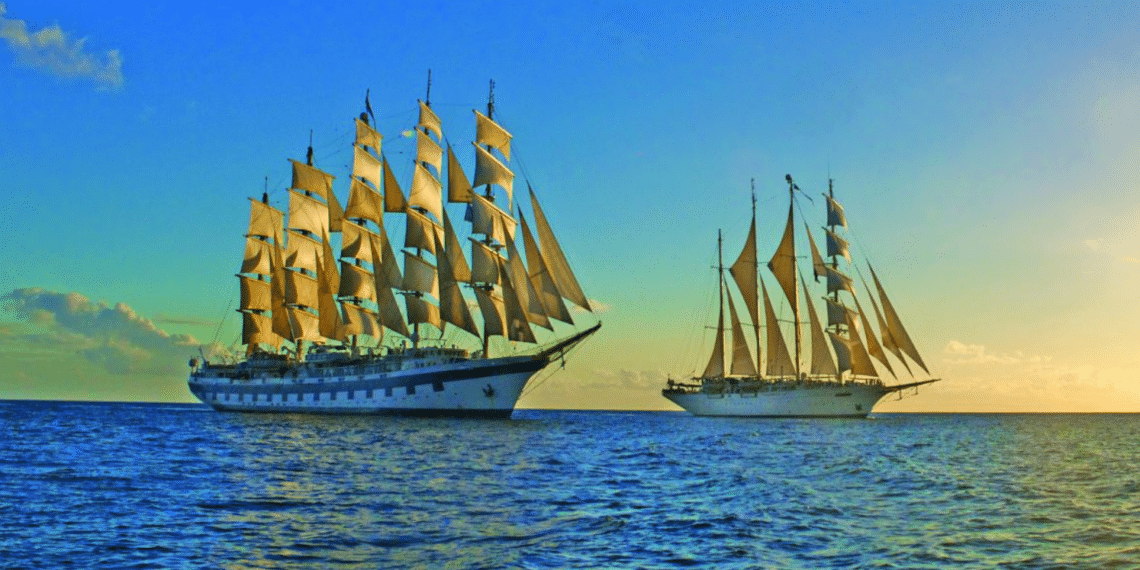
(986,155)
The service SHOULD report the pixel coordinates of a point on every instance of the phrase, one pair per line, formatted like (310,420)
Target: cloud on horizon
(625,378)
(115,338)
(961,353)
(49,50)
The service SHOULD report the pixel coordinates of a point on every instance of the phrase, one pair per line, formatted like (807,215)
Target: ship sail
(783,267)
(745,272)
(715,368)
(258,299)
(539,274)
(779,361)
(316,280)
(298,285)
(821,361)
(895,326)
(741,357)
(839,378)
(555,260)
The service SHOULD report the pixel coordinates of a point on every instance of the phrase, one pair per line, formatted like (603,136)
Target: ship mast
(756,272)
(795,302)
(720,292)
(834,266)
(489,195)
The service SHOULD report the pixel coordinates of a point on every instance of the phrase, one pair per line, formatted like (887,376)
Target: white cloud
(114,338)
(961,353)
(625,378)
(50,50)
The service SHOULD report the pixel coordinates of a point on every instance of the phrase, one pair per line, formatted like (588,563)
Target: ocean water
(178,486)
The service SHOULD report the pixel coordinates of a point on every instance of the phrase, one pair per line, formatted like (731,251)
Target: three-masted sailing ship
(844,384)
(325,332)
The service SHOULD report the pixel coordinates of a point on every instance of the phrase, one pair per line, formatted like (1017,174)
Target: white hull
(481,388)
(784,400)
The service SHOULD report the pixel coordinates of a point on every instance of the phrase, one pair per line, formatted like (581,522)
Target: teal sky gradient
(986,154)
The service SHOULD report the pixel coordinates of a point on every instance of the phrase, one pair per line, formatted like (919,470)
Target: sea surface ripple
(88,485)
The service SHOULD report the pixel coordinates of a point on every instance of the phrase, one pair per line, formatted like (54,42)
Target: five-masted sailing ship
(847,384)
(325,332)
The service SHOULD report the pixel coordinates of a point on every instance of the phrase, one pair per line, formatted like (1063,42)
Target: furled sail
(556,260)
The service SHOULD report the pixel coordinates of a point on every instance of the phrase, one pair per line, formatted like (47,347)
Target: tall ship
(325,332)
(839,379)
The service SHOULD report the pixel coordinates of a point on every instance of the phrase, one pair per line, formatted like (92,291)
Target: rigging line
(222,321)
(694,345)
(531,386)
